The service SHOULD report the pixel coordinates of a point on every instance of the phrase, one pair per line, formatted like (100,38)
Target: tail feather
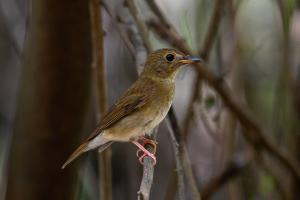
(84,148)
(80,150)
(104,146)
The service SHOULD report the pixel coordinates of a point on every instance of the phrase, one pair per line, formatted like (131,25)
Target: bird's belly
(138,124)
(128,128)
(158,115)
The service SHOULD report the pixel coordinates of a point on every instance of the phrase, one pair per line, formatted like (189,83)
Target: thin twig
(234,168)
(183,156)
(160,15)
(179,167)
(121,31)
(165,24)
(166,34)
(257,136)
(205,54)
(138,18)
(212,30)
(98,66)
(268,168)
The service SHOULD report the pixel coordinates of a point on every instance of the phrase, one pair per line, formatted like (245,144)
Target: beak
(191,60)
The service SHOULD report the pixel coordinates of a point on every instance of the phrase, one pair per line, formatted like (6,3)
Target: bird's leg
(144,150)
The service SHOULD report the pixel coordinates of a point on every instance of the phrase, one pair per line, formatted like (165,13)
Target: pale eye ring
(170,57)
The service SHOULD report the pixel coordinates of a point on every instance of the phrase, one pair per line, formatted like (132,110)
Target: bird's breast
(159,106)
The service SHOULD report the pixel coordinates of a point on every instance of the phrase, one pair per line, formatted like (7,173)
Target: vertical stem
(98,66)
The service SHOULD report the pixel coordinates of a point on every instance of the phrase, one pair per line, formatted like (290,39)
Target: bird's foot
(145,141)
(145,152)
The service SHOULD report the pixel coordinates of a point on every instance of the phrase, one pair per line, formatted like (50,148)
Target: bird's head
(165,63)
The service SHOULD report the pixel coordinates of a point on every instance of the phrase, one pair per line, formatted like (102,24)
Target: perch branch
(179,43)
(148,172)
(98,66)
(142,46)
(184,158)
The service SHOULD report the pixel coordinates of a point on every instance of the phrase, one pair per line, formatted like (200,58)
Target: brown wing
(124,107)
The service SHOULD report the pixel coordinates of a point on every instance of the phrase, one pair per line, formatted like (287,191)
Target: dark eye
(170,57)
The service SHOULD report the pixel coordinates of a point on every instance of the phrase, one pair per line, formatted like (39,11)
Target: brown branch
(138,18)
(235,168)
(204,53)
(166,34)
(166,25)
(212,30)
(98,66)
(158,13)
(179,167)
(121,31)
(183,156)
(268,168)
(257,136)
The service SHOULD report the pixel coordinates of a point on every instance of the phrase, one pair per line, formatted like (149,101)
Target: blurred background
(52,56)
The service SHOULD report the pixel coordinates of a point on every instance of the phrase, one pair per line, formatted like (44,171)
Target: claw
(141,158)
(141,147)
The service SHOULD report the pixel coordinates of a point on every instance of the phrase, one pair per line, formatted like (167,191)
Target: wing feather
(126,105)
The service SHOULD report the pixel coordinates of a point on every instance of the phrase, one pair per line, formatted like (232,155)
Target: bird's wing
(127,105)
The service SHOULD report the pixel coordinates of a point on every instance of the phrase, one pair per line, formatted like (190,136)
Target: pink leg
(145,141)
(145,151)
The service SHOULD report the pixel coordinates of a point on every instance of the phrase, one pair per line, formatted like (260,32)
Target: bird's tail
(84,148)
(80,150)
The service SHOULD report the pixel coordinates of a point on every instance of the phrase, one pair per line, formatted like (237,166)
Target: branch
(257,136)
(204,53)
(233,169)
(166,34)
(148,172)
(166,25)
(138,18)
(98,66)
(169,32)
(183,155)
(184,158)
(212,30)
(121,31)
(179,167)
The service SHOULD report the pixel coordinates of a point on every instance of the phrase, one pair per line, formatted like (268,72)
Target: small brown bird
(141,108)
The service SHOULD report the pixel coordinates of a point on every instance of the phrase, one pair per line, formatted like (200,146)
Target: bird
(141,108)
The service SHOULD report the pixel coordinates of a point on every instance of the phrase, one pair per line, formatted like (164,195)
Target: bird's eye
(170,57)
